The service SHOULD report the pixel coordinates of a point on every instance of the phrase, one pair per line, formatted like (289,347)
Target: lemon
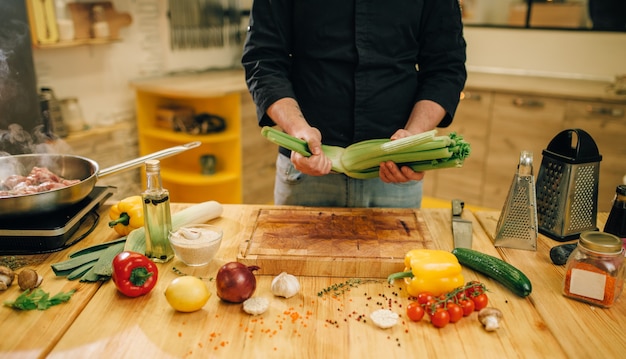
(187,294)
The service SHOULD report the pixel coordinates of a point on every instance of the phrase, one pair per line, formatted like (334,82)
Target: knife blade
(461,228)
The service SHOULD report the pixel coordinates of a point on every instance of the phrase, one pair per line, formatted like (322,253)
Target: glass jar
(72,114)
(595,269)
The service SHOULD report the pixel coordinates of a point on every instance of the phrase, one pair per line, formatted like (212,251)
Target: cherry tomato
(415,311)
(480,301)
(455,311)
(424,297)
(467,305)
(440,318)
(431,306)
(474,288)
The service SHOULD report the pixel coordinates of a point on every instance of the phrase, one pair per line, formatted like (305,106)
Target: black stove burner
(52,231)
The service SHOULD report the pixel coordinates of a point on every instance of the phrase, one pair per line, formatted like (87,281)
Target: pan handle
(137,162)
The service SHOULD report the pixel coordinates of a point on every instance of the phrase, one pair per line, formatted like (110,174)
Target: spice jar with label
(595,269)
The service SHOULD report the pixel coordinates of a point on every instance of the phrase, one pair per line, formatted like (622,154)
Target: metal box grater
(567,186)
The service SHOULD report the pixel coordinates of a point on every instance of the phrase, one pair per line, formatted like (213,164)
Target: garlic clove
(256,305)
(285,285)
(189,233)
(384,318)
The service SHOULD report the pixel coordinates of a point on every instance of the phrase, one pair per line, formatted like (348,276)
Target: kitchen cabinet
(259,156)
(606,123)
(519,122)
(216,93)
(518,113)
(472,119)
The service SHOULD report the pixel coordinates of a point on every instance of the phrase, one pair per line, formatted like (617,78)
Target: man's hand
(316,165)
(390,172)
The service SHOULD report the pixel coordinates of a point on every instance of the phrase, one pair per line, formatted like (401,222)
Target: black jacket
(352,65)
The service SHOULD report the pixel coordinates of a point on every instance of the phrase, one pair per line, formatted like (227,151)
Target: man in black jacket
(341,72)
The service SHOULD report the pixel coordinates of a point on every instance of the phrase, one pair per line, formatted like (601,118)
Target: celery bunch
(421,152)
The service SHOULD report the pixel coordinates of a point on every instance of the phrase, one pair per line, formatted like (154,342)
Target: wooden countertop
(212,83)
(99,322)
(201,84)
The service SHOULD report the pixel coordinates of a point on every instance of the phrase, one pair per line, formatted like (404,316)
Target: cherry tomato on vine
(455,311)
(467,305)
(415,311)
(474,288)
(424,297)
(480,301)
(440,318)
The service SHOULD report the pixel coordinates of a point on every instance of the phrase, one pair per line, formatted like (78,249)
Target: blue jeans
(337,190)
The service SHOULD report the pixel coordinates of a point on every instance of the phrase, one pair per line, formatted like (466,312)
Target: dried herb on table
(340,288)
(38,299)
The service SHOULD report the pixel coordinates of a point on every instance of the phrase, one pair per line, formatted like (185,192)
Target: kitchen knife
(461,228)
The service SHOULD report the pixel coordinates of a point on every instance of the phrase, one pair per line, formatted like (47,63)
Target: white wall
(573,54)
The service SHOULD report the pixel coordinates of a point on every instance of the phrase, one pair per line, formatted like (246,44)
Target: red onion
(235,282)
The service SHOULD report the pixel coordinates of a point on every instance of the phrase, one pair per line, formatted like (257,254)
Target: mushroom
(490,318)
(6,277)
(29,279)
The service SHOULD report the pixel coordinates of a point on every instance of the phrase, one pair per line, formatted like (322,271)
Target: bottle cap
(621,190)
(600,242)
(153,165)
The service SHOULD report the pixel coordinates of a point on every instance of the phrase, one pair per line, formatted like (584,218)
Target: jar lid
(600,242)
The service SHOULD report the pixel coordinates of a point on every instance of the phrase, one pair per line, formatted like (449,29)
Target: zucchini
(495,268)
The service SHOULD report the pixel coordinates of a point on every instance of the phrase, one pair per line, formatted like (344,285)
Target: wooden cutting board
(363,242)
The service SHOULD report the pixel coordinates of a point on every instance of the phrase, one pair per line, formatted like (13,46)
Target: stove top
(55,230)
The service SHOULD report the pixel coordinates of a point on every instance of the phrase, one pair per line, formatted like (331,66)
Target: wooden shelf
(96,131)
(182,174)
(75,43)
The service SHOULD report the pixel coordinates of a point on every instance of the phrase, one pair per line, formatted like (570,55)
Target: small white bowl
(196,244)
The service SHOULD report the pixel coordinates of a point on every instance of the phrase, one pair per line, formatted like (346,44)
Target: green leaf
(38,299)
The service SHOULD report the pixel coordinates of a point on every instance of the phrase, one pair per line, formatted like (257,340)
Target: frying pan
(68,167)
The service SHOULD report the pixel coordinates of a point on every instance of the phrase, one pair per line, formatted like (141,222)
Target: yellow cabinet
(212,93)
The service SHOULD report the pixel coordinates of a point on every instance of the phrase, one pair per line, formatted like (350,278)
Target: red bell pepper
(134,274)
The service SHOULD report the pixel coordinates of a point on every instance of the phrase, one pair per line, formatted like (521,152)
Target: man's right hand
(317,164)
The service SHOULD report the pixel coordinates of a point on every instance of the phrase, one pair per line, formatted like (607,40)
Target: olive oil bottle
(157,215)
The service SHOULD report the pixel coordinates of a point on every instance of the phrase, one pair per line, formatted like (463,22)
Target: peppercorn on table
(329,317)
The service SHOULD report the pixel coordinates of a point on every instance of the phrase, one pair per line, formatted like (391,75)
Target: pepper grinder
(616,223)
(157,215)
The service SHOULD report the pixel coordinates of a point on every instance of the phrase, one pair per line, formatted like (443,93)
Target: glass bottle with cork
(616,223)
(157,215)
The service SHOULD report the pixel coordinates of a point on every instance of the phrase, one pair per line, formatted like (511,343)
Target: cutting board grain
(363,242)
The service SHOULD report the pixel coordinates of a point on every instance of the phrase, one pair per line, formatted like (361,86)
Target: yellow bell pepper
(126,215)
(430,270)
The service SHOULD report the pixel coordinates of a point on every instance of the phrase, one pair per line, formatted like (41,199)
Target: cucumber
(495,268)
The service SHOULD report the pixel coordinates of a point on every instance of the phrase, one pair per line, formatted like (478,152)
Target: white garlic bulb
(285,285)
